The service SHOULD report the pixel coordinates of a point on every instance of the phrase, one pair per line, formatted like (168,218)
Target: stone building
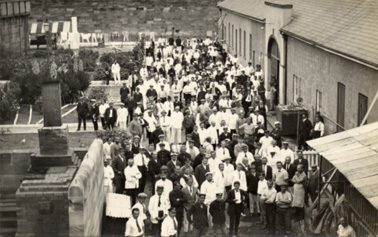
(323,51)
(14,17)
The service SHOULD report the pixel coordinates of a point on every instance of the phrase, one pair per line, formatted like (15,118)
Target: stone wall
(191,17)
(86,194)
(320,70)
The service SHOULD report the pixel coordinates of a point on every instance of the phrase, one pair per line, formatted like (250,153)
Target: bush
(98,93)
(89,58)
(40,54)
(72,85)
(9,100)
(100,73)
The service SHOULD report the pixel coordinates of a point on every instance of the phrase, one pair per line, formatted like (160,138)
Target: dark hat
(202,195)
(236,182)
(162,144)
(159,187)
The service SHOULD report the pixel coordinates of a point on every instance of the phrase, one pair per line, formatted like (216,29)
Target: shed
(354,153)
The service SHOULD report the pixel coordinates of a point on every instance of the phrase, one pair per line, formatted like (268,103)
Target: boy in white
(108,177)
(176,124)
(116,72)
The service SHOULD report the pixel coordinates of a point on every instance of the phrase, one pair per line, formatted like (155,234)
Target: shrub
(89,58)
(98,93)
(9,100)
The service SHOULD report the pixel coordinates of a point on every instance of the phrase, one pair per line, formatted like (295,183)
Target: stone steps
(8,217)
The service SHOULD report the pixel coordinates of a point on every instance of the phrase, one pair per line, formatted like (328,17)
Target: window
(229,33)
(296,88)
(340,106)
(244,45)
(318,100)
(240,43)
(236,42)
(250,50)
(362,108)
(232,38)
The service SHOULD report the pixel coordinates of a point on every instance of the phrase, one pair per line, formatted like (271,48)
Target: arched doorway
(274,67)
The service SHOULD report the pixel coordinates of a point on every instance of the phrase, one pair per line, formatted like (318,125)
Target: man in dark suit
(129,105)
(225,134)
(313,183)
(95,113)
(183,155)
(301,161)
(119,165)
(82,112)
(197,215)
(200,172)
(173,163)
(266,169)
(177,200)
(304,132)
(128,153)
(155,135)
(200,157)
(217,211)
(190,194)
(236,198)
(154,170)
(124,92)
(290,168)
(252,184)
(195,137)
(110,116)
(163,155)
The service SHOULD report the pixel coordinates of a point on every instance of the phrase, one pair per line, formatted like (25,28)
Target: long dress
(299,181)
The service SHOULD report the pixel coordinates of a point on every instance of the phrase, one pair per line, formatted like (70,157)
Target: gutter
(332,51)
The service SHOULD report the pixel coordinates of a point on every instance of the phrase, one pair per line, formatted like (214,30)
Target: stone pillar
(52,113)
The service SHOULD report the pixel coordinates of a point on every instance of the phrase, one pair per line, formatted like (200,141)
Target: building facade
(329,60)
(14,30)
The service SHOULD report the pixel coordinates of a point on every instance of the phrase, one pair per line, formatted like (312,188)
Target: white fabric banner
(118,205)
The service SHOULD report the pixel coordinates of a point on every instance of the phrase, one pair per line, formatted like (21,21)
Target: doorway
(274,68)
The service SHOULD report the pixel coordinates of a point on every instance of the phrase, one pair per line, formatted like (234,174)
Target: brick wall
(13,34)
(192,17)
(86,194)
(13,167)
(320,70)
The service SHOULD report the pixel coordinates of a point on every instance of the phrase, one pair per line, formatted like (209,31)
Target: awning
(56,27)
(355,154)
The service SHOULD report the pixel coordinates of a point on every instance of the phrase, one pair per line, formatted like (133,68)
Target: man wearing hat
(119,165)
(162,141)
(197,215)
(141,161)
(170,224)
(95,113)
(154,170)
(276,133)
(244,154)
(286,151)
(110,116)
(235,198)
(173,163)
(266,141)
(82,112)
(165,123)
(158,209)
(151,92)
(132,175)
(155,135)
(124,92)
(201,171)
(141,206)
(217,211)
(164,181)
(163,155)
(209,188)
(177,199)
(176,125)
(168,106)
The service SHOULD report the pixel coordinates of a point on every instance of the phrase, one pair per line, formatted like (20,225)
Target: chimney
(279,12)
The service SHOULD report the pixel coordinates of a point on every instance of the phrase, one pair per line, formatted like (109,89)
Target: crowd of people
(193,122)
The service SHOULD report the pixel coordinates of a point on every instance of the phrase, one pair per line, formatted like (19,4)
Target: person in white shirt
(286,151)
(209,188)
(257,117)
(108,177)
(122,114)
(132,175)
(106,149)
(213,162)
(202,132)
(222,151)
(213,118)
(228,171)
(141,161)
(169,106)
(116,71)
(249,69)
(176,89)
(220,179)
(135,225)
(102,108)
(266,141)
(164,182)
(239,175)
(143,72)
(269,198)
(244,154)
(273,152)
(188,174)
(165,123)
(213,134)
(176,125)
(318,128)
(234,117)
(262,185)
(149,61)
(169,227)
(158,209)
(141,206)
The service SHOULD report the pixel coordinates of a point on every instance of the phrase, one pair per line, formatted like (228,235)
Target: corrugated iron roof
(348,27)
(355,154)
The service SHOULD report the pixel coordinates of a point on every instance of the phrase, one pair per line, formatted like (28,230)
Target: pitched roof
(345,26)
(354,153)
(250,8)
(348,27)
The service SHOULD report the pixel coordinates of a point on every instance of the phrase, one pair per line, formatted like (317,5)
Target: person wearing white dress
(122,114)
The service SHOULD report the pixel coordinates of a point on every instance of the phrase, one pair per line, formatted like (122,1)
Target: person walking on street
(197,215)
(235,198)
(217,211)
